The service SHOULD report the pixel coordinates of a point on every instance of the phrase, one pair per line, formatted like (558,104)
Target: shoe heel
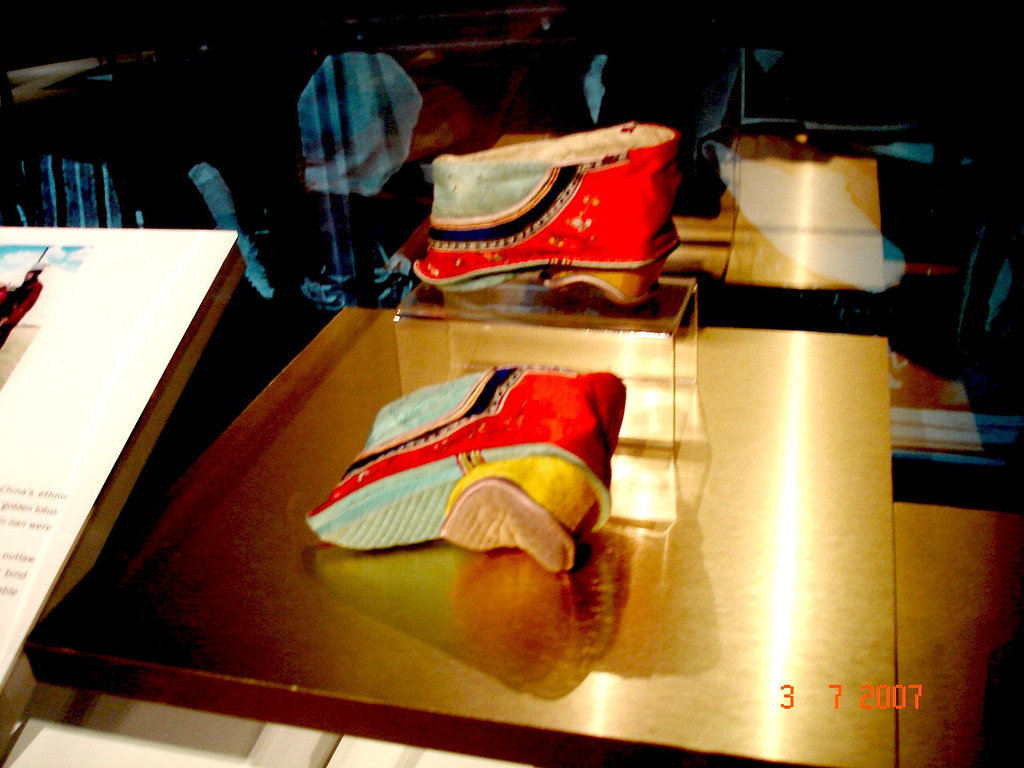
(626,287)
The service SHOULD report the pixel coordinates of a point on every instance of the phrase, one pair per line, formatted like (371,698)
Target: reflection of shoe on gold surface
(591,207)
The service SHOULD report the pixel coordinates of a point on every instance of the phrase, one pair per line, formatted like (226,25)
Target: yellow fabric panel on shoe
(534,503)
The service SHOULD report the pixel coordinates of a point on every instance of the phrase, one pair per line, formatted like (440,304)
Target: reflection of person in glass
(15,304)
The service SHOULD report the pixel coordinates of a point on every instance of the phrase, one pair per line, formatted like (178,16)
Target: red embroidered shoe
(511,457)
(591,207)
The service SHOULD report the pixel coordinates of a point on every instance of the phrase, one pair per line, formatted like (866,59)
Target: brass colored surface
(776,570)
(960,622)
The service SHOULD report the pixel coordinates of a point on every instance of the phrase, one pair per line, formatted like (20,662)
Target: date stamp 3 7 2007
(871,696)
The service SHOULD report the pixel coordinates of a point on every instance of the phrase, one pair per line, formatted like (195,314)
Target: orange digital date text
(880,696)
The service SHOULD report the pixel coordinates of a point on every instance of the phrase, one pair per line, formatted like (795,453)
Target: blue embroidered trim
(506,234)
(489,399)
(567,178)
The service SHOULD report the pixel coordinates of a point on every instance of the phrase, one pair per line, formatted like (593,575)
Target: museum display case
(831,342)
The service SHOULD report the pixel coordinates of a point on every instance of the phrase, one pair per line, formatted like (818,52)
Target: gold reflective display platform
(723,631)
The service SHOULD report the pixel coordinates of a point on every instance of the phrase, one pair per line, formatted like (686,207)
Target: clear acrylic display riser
(651,347)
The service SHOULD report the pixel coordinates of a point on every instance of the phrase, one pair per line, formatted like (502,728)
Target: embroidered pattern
(536,215)
(489,401)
